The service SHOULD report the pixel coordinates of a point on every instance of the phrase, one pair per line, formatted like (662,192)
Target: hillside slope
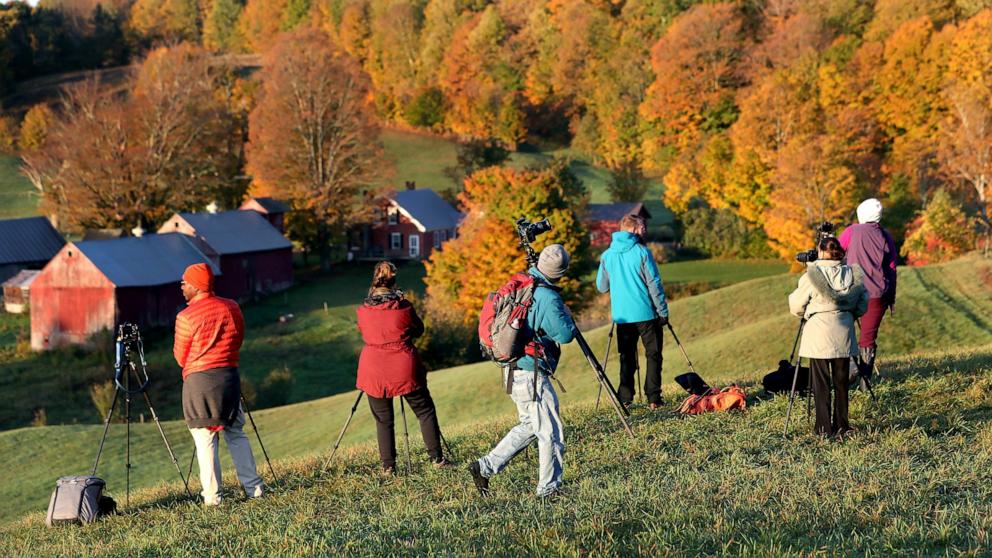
(913,481)
(735,333)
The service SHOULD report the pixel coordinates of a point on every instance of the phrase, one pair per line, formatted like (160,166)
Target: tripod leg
(448,447)
(106,428)
(622,412)
(168,446)
(259,436)
(606,360)
(192,458)
(406,435)
(795,378)
(127,450)
(343,428)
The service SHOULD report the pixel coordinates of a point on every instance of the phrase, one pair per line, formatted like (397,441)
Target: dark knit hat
(553,262)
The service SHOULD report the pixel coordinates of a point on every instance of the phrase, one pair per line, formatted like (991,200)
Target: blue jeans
(539,420)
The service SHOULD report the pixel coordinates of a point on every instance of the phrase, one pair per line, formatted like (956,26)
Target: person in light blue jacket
(530,384)
(628,272)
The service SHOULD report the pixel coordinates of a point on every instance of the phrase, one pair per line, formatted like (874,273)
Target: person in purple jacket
(871,247)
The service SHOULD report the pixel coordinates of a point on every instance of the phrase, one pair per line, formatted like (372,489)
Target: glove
(663,321)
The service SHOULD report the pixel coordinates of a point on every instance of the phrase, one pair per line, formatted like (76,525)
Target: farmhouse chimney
(411,185)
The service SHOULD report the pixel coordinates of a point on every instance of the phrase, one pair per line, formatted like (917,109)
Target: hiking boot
(657,406)
(481,482)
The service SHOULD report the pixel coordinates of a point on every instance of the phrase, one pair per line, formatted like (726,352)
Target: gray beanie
(553,262)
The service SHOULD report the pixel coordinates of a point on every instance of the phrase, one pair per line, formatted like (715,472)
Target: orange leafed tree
(312,136)
(485,253)
(115,161)
(696,64)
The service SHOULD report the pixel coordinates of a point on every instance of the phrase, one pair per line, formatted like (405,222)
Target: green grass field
(732,334)
(423,158)
(913,481)
(17,197)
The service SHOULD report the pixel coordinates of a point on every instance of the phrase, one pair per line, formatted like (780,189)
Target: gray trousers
(539,420)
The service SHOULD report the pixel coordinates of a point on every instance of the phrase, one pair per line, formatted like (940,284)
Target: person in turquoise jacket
(535,397)
(628,272)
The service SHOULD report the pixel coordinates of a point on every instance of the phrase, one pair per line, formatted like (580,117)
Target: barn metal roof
(154,259)
(615,211)
(32,239)
(271,205)
(23,279)
(428,209)
(235,232)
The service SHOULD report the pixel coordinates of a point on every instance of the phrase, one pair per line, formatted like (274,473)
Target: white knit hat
(870,211)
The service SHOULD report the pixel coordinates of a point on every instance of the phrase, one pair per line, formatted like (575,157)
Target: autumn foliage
(486,253)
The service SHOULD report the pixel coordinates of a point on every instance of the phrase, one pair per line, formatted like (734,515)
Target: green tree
(221,26)
(941,232)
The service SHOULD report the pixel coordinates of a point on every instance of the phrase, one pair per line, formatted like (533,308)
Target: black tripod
(795,378)
(128,343)
(406,434)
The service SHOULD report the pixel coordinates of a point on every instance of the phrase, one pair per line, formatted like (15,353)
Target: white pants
(209,463)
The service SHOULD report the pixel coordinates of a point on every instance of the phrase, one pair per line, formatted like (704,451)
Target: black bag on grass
(79,500)
(693,383)
(780,381)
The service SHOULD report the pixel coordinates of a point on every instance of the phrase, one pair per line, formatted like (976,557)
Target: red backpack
(504,336)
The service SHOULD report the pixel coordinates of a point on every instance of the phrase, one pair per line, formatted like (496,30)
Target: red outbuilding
(91,286)
(603,219)
(254,257)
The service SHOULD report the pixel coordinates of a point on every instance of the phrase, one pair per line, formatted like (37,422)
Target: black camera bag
(79,500)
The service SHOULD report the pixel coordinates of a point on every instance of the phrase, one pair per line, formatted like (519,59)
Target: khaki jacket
(830,296)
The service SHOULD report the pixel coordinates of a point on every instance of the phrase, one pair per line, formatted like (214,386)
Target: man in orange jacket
(209,333)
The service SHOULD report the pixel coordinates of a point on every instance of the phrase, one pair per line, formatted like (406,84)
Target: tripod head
(526,233)
(128,344)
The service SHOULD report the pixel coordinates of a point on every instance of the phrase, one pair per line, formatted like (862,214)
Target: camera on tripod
(823,230)
(530,231)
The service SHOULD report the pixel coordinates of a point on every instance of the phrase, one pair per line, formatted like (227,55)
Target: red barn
(603,219)
(272,209)
(409,226)
(254,258)
(91,286)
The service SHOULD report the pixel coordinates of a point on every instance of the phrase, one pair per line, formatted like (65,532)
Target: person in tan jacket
(830,297)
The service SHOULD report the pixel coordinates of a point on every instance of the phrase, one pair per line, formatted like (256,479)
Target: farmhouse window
(394,216)
(395,241)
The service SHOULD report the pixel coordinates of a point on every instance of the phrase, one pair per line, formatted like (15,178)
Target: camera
(823,230)
(531,231)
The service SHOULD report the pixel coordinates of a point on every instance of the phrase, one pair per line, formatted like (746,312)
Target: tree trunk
(324,246)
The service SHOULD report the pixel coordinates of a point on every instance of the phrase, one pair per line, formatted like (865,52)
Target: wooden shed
(254,257)
(16,291)
(91,286)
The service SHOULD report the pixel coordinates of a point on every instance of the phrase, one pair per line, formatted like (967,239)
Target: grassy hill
(734,333)
(320,348)
(17,197)
(912,481)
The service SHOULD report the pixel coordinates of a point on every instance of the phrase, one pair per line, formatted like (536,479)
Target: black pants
(650,334)
(823,370)
(423,406)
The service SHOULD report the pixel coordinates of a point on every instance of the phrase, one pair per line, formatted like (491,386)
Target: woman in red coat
(390,366)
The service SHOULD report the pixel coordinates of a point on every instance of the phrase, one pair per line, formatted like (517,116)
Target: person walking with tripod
(390,366)
(628,272)
(830,296)
(209,333)
(528,382)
